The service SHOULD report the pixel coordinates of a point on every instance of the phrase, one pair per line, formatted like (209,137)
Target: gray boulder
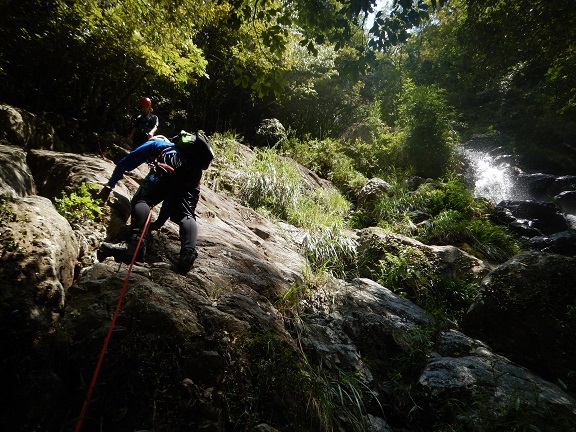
(566,201)
(463,379)
(544,217)
(15,177)
(431,261)
(26,130)
(270,132)
(372,192)
(525,310)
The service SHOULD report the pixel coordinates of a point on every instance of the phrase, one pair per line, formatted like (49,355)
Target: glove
(105,193)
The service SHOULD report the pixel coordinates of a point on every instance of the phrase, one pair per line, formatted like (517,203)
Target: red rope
(109,335)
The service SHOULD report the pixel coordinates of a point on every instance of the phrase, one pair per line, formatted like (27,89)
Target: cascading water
(492,176)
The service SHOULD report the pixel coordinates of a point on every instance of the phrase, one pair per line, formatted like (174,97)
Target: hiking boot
(186,261)
(132,243)
(122,252)
(117,251)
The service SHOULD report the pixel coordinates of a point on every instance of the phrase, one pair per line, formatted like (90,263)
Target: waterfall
(495,175)
(492,176)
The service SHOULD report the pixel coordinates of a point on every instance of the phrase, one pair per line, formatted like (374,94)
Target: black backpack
(196,147)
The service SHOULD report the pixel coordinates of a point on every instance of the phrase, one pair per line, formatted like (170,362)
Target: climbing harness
(109,335)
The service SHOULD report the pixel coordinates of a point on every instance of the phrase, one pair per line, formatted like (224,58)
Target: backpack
(196,147)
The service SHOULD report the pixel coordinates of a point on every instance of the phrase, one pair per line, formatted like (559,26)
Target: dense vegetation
(335,69)
(364,89)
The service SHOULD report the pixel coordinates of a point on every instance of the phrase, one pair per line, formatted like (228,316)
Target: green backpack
(195,146)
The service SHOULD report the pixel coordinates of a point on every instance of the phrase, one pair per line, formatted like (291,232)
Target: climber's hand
(105,193)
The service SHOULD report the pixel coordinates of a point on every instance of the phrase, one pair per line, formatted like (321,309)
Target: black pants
(187,224)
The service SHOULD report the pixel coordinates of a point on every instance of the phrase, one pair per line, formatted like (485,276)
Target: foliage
(407,272)
(319,207)
(203,63)
(427,121)
(294,300)
(333,21)
(264,374)
(379,155)
(401,371)
(142,47)
(226,147)
(522,88)
(337,397)
(327,159)
(227,157)
(79,204)
(328,249)
(271,183)
(413,276)
(477,236)
(446,212)
(270,383)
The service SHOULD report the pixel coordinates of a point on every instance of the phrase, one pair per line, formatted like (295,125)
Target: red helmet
(145,102)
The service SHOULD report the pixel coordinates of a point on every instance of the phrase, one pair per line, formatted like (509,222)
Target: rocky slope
(242,342)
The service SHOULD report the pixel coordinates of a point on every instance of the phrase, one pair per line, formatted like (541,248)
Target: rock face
(245,341)
(446,261)
(463,370)
(525,311)
(15,176)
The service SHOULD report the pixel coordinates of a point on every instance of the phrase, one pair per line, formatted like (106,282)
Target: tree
(427,122)
(506,64)
(94,56)
(92,59)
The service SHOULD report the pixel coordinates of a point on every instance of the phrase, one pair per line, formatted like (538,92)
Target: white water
(493,177)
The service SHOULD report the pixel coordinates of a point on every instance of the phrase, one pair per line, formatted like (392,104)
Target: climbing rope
(109,335)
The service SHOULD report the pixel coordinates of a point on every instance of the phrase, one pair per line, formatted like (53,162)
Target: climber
(145,125)
(174,180)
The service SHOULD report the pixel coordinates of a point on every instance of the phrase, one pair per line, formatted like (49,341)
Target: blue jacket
(147,152)
(181,194)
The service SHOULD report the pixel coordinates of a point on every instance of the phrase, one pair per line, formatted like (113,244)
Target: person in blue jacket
(174,180)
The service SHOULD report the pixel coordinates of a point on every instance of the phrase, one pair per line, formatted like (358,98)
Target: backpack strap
(156,164)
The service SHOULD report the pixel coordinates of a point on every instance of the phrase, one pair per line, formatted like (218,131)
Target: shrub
(380,156)
(226,148)
(328,249)
(427,121)
(445,212)
(326,207)
(272,183)
(413,275)
(79,204)
(327,159)
(228,158)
